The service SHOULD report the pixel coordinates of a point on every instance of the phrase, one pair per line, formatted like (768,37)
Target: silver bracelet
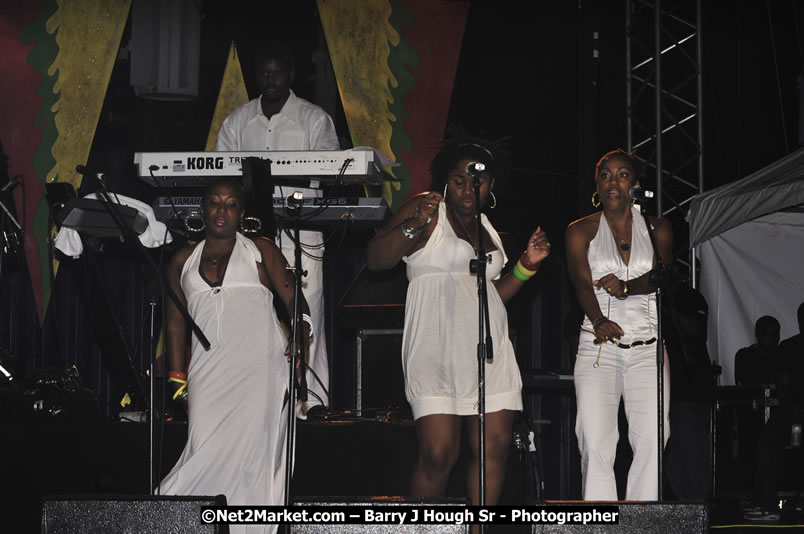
(309,320)
(407,232)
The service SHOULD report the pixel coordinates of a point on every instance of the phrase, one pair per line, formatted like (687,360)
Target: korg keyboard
(320,167)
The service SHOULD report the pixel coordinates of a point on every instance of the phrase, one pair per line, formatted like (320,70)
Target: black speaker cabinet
(379,529)
(641,518)
(379,384)
(89,514)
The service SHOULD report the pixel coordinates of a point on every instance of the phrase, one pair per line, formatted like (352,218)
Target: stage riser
(388,503)
(641,518)
(379,529)
(129,515)
(103,514)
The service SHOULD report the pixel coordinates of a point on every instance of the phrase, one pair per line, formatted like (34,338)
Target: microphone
(11,183)
(295,201)
(637,193)
(80,169)
(475,168)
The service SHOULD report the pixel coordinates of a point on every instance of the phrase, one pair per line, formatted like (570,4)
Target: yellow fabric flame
(232,94)
(360,36)
(88,36)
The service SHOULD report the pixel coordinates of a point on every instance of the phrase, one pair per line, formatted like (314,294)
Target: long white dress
(237,389)
(439,343)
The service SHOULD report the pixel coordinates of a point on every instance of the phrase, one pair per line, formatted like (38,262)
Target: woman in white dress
(236,392)
(610,256)
(435,233)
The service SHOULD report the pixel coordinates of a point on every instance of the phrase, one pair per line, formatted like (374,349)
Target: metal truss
(664,96)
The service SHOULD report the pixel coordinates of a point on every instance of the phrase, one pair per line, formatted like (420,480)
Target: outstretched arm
(538,249)
(418,216)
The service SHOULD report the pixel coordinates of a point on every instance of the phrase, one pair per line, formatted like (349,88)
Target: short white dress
(439,343)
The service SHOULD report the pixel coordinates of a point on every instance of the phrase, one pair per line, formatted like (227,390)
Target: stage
(344,458)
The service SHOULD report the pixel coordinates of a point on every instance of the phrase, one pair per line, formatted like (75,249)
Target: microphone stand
(7,241)
(658,277)
(485,348)
(298,358)
(130,237)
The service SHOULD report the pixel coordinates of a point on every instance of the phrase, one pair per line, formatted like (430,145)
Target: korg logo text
(208,162)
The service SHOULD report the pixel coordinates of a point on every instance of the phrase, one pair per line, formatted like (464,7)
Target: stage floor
(345,457)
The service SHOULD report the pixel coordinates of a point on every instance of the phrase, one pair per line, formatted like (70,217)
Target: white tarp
(751,255)
(777,186)
(754,269)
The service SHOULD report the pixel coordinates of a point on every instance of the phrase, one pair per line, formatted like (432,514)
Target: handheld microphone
(475,168)
(637,193)
(295,201)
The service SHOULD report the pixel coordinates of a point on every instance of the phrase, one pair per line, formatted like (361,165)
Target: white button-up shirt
(299,125)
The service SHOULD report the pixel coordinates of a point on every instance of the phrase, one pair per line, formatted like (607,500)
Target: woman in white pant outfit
(609,256)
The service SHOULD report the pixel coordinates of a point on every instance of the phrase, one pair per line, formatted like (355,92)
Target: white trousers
(629,374)
(313,288)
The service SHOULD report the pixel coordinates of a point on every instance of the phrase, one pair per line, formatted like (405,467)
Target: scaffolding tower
(664,114)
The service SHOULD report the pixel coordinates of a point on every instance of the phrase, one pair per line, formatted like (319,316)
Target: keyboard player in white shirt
(279,120)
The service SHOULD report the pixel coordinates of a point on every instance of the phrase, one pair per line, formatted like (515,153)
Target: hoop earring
(494,199)
(191,228)
(250,225)
(595,200)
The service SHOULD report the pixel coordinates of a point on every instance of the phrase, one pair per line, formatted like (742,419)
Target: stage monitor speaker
(379,529)
(640,518)
(91,514)
(380,384)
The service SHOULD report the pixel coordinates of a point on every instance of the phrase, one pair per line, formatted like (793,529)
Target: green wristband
(519,275)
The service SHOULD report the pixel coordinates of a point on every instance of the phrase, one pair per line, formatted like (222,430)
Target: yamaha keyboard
(319,167)
(356,210)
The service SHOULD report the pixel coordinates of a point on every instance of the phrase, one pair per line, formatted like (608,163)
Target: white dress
(299,125)
(237,389)
(439,343)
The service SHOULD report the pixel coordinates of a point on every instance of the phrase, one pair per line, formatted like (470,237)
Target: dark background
(525,71)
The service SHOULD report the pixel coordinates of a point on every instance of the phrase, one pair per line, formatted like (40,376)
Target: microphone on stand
(639,194)
(475,168)
(295,201)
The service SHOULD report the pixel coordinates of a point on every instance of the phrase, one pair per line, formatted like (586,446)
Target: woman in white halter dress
(436,235)
(236,390)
